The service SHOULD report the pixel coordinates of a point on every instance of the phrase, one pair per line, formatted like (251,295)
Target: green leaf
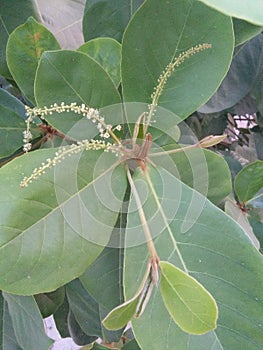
(122,314)
(242,75)
(249,181)
(107,52)
(24,49)
(103,278)
(9,101)
(244,31)
(27,322)
(201,169)
(247,10)
(212,248)
(7,336)
(241,218)
(67,76)
(84,308)
(131,345)
(64,20)
(49,303)
(187,301)
(147,49)
(12,15)
(61,319)
(49,230)
(97,346)
(257,229)
(11,124)
(107,18)
(76,333)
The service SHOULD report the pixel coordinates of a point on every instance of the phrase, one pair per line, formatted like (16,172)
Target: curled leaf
(134,307)
(211,140)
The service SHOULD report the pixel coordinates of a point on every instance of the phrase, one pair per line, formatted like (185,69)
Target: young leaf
(24,49)
(122,314)
(190,305)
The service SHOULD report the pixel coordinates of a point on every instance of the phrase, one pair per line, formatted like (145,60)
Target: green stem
(145,226)
(164,218)
(172,151)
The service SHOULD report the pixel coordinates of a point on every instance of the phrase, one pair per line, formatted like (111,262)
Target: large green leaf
(27,322)
(187,301)
(214,250)
(161,31)
(107,18)
(247,10)
(67,76)
(107,52)
(249,181)
(242,75)
(12,14)
(52,230)
(24,49)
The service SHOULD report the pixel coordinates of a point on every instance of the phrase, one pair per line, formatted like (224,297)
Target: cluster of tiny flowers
(92,114)
(60,155)
(27,137)
(162,80)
